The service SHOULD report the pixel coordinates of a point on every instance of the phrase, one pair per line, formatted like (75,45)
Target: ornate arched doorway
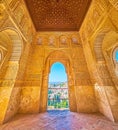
(57,56)
(57,88)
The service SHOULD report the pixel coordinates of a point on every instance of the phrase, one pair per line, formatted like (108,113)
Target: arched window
(115,59)
(74,40)
(116,55)
(40,41)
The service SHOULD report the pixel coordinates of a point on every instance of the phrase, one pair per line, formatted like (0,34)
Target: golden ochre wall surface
(99,35)
(26,57)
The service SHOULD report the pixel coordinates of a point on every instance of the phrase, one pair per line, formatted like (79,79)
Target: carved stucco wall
(99,36)
(10,70)
(13,42)
(34,91)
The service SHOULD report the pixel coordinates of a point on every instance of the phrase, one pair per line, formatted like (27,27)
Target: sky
(57,73)
(116,55)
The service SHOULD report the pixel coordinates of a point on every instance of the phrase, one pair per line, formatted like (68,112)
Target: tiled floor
(59,120)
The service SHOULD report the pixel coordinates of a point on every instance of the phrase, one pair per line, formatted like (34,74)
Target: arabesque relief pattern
(99,38)
(14,41)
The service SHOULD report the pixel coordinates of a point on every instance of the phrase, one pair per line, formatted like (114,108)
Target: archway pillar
(44,93)
(71,92)
(72,98)
(7,91)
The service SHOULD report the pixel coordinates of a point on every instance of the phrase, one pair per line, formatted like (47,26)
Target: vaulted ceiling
(57,15)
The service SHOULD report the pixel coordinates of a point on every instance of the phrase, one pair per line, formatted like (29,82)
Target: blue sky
(57,73)
(116,55)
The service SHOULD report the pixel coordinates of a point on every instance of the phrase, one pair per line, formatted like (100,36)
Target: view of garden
(58,96)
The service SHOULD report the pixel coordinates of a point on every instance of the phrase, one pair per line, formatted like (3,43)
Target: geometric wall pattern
(57,15)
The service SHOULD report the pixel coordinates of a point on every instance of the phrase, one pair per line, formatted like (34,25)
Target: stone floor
(59,120)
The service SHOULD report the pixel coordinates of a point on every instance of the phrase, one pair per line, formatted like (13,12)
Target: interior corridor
(59,120)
